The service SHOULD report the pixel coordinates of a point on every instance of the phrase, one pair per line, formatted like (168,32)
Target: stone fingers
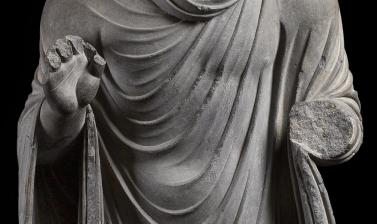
(64,49)
(53,59)
(70,72)
(77,44)
(56,55)
(97,66)
(96,63)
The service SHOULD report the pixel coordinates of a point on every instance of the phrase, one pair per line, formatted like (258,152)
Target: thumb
(42,73)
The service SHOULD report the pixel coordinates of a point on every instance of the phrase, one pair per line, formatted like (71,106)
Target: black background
(350,185)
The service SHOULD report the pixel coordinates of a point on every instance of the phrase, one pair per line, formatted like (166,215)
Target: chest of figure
(145,47)
(164,69)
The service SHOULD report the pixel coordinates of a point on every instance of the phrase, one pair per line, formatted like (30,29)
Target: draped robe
(190,122)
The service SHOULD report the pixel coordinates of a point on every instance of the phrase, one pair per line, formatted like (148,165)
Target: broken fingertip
(64,49)
(89,50)
(97,66)
(76,43)
(53,59)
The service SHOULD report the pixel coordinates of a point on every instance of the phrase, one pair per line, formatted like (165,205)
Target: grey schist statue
(186,111)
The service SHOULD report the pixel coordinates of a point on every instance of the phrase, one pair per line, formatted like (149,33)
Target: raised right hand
(71,73)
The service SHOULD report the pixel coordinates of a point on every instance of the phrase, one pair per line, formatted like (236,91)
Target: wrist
(58,126)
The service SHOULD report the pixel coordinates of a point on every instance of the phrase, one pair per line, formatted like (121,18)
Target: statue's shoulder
(67,17)
(308,12)
(63,11)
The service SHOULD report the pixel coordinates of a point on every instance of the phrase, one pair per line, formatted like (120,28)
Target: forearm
(58,132)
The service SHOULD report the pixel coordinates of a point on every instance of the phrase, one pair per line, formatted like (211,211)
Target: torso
(180,101)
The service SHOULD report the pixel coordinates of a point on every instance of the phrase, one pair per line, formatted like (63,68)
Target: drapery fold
(32,176)
(327,87)
(194,10)
(92,206)
(27,155)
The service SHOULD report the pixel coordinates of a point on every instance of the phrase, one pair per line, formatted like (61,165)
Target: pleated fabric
(183,115)
(56,193)
(195,10)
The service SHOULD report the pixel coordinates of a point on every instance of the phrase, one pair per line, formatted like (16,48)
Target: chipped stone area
(323,127)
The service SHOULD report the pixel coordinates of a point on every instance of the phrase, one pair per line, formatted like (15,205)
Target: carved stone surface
(324,127)
(186,111)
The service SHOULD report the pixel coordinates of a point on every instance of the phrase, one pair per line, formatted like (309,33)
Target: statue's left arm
(325,117)
(325,126)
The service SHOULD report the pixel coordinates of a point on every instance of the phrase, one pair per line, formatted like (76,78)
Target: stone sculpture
(186,111)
